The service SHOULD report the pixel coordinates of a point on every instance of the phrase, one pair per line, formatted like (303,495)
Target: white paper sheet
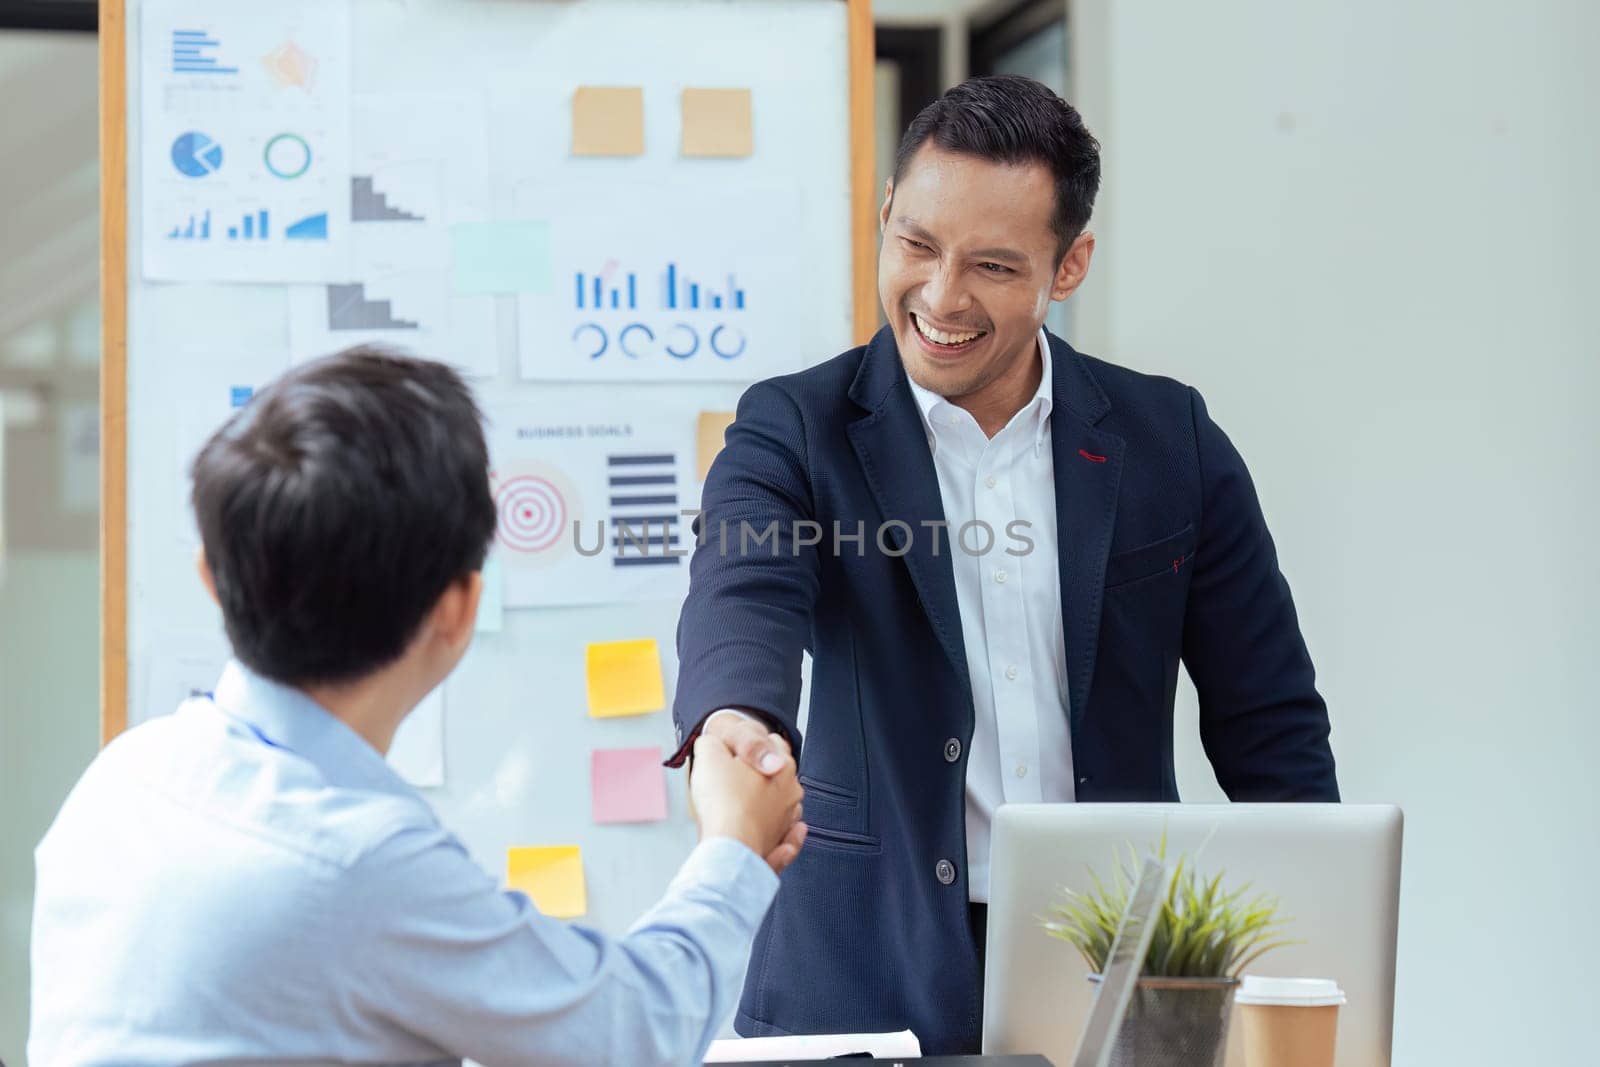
(819,1047)
(203,409)
(565,473)
(417,753)
(183,665)
(668,283)
(419,164)
(245,140)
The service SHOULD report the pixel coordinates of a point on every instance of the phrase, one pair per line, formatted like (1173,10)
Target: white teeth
(940,337)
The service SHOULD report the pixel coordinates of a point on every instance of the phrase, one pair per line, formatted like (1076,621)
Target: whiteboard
(516,734)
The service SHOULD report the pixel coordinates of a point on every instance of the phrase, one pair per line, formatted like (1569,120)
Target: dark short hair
(1005,118)
(337,507)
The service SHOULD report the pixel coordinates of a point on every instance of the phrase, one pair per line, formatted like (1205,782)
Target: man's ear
(455,616)
(888,199)
(1074,267)
(207,579)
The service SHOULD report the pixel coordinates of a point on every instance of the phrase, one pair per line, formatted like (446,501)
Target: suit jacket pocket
(1166,556)
(835,817)
(840,840)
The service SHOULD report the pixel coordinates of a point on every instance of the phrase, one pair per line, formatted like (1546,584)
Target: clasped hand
(743,784)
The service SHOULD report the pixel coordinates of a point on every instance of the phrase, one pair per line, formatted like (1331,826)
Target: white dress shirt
(1010,607)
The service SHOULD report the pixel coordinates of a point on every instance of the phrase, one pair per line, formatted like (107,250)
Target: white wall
(49,730)
(1366,230)
(49,351)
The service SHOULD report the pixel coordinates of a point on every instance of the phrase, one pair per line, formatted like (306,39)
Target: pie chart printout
(196,155)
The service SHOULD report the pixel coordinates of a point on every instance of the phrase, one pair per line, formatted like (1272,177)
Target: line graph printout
(244,149)
(419,163)
(590,500)
(662,283)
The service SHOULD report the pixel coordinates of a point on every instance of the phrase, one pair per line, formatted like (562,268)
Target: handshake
(743,785)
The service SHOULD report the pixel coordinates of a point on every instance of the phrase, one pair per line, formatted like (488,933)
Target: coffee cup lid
(1289,992)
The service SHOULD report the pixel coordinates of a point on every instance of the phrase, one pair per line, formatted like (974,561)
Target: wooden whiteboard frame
(114,311)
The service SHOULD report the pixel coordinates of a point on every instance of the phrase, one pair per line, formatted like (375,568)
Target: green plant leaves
(1201,931)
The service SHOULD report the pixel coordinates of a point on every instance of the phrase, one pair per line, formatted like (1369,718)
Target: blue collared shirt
(248,881)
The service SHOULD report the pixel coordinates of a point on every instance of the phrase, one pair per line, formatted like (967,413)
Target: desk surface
(925,1061)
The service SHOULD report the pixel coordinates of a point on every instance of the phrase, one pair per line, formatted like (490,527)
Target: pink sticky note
(627,785)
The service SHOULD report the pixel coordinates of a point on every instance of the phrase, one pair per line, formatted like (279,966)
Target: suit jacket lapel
(1088,470)
(891,443)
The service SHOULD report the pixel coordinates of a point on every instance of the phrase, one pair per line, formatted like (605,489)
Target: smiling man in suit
(997,550)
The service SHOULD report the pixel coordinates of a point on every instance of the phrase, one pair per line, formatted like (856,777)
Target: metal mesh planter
(1175,1022)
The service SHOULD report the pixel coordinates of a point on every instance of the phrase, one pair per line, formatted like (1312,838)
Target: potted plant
(1204,939)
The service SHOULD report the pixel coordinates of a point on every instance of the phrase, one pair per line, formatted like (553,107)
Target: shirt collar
(286,718)
(930,403)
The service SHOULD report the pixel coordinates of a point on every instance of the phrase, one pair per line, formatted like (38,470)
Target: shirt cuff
(727,711)
(733,872)
(685,750)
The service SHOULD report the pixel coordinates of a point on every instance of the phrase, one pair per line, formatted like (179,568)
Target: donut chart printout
(590,501)
(244,149)
(675,283)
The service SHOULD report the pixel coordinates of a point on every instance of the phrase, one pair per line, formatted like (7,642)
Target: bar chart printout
(670,290)
(682,292)
(244,141)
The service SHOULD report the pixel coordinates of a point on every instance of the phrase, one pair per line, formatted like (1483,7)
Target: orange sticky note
(624,678)
(552,876)
(608,121)
(716,122)
(708,438)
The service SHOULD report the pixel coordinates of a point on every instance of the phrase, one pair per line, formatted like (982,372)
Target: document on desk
(814,1047)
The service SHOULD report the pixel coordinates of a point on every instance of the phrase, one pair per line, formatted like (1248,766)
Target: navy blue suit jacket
(1164,556)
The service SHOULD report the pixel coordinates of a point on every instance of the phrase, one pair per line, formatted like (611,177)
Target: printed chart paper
(664,283)
(245,142)
(590,497)
(204,403)
(419,170)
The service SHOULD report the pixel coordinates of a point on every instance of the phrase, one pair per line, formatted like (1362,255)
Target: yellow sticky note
(552,876)
(716,122)
(624,678)
(607,121)
(708,438)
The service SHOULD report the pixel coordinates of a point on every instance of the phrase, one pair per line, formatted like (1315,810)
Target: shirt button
(1022,770)
(1011,672)
(991,481)
(952,750)
(945,871)
(1000,576)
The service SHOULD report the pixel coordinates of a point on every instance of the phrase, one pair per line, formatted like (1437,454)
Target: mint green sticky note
(492,602)
(500,257)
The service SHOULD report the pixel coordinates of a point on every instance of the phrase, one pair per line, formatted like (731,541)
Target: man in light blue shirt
(247,880)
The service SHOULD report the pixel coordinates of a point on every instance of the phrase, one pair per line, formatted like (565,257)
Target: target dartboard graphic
(533,513)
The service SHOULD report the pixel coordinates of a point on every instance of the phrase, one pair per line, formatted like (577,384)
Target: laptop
(1335,869)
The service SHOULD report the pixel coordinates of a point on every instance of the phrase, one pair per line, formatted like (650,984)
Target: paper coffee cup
(1289,1022)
